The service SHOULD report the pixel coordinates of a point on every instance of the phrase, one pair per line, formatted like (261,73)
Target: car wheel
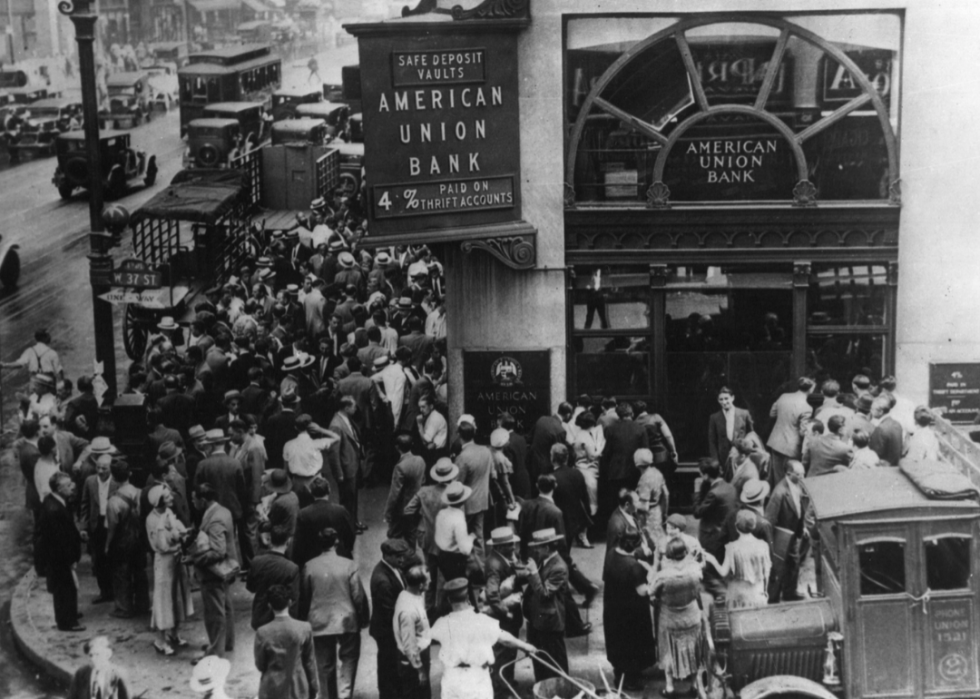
(65,190)
(10,269)
(134,334)
(76,170)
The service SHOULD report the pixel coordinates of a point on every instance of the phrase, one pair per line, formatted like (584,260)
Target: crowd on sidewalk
(322,367)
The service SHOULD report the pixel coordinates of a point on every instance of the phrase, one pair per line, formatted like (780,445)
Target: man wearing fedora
(544,600)
(454,541)
(476,468)
(406,480)
(786,512)
(350,274)
(225,474)
(424,506)
(506,577)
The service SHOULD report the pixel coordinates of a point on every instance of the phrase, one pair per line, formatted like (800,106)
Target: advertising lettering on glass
(839,85)
(441,131)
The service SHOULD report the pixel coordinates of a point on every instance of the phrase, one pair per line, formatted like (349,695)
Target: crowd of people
(322,368)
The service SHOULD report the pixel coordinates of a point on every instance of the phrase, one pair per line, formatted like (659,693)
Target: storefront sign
(441,129)
(734,72)
(954,391)
(515,382)
(839,86)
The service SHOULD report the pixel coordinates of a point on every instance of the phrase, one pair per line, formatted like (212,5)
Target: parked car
(334,113)
(121,164)
(299,131)
(48,118)
(250,116)
(29,95)
(129,100)
(284,102)
(164,87)
(212,143)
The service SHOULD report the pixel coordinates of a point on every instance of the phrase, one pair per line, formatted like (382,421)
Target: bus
(249,73)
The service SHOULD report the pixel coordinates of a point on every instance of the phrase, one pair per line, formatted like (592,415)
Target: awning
(215,5)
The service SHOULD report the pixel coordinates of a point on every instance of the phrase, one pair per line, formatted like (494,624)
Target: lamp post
(82,15)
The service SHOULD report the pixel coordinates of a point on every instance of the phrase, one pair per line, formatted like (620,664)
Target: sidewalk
(152,676)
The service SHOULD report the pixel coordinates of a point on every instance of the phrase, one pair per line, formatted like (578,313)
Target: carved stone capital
(804,194)
(658,196)
(517,252)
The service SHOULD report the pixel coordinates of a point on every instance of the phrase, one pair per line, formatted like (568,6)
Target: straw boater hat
(167,323)
(501,536)
(292,234)
(754,492)
(277,481)
(444,471)
(381,361)
(210,674)
(382,258)
(295,363)
(101,445)
(469,419)
(405,302)
(215,436)
(318,203)
(456,494)
(346,260)
(545,536)
(264,262)
(292,290)
(336,245)
(265,273)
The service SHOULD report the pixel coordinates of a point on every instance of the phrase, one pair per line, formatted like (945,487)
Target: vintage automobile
(129,100)
(48,118)
(164,86)
(351,166)
(334,113)
(9,264)
(250,116)
(285,101)
(121,164)
(898,611)
(212,143)
(299,131)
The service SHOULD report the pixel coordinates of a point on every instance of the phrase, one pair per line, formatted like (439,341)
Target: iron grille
(248,163)
(327,173)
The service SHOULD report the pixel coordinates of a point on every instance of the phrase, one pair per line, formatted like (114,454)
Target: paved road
(54,293)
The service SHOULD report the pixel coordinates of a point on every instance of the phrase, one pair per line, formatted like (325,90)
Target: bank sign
(441,130)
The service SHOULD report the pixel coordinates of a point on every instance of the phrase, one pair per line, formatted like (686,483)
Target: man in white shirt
(96,491)
(413,636)
(454,541)
(46,466)
(390,377)
(304,454)
(434,432)
(39,358)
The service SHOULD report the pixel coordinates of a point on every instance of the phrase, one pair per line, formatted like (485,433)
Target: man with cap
(281,507)
(225,474)
(423,507)
(96,491)
(466,641)
(387,582)
(544,600)
(194,454)
(476,468)
(233,405)
(406,479)
(785,440)
(752,498)
(506,577)
(169,469)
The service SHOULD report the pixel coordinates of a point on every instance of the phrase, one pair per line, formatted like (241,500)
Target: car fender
(784,685)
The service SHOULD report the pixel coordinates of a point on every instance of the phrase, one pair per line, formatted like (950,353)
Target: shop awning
(215,5)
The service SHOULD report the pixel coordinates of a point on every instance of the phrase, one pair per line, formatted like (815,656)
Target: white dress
(466,641)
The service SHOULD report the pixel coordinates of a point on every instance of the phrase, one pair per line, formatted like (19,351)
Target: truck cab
(249,115)
(121,164)
(129,100)
(299,131)
(333,113)
(285,101)
(212,142)
(898,571)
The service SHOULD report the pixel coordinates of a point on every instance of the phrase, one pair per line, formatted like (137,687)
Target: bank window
(843,356)
(611,298)
(616,365)
(882,566)
(948,562)
(851,295)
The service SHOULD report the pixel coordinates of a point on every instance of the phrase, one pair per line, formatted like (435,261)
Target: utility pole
(81,14)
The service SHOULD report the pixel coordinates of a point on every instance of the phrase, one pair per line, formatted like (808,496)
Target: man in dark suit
(516,451)
(622,518)
(887,440)
(725,428)
(279,429)
(96,491)
(571,494)
(219,612)
(714,503)
(548,430)
(314,518)
(829,452)
(502,565)
(269,569)
(786,512)
(386,584)
(60,548)
(616,467)
(284,652)
(225,474)
(345,456)
(256,399)
(545,600)
(177,409)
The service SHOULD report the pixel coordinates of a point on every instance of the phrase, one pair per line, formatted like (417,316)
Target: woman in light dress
(588,446)
(924,444)
(748,563)
(171,584)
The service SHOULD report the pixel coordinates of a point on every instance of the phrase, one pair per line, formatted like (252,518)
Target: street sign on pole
(134,273)
(154,298)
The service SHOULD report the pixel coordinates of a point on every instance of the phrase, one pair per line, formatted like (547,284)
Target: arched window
(735,108)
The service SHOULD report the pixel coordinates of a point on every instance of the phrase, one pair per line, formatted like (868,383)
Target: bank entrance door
(730,329)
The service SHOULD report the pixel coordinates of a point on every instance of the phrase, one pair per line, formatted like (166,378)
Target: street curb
(25,634)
